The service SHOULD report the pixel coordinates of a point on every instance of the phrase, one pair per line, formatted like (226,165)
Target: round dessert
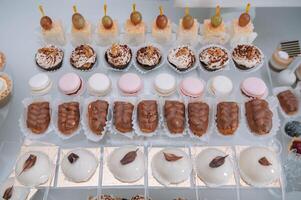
(254,87)
(79,165)
(49,58)
(258,166)
(139,197)
(127,164)
(118,56)
(295,146)
(280,60)
(192,87)
(130,84)
(171,166)
(99,84)
(214,58)
(293,128)
(83,57)
(247,56)
(33,169)
(165,84)
(2,61)
(181,58)
(213,167)
(40,84)
(221,86)
(148,57)
(71,84)
(11,192)
(6,87)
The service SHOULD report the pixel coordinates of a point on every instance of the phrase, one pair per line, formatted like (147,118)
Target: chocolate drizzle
(170,157)
(73,158)
(129,157)
(217,161)
(29,163)
(264,161)
(8,193)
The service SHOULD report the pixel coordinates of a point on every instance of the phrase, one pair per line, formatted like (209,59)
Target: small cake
(181,58)
(280,60)
(254,87)
(9,191)
(213,167)
(214,58)
(148,116)
(122,116)
(127,164)
(220,86)
(258,166)
(118,56)
(247,56)
(295,146)
(99,84)
(83,57)
(130,84)
(81,31)
(33,169)
(192,87)
(171,166)
(97,116)
(187,32)
(6,87)
(49,58)
(148,57)
(198,118)
(71,84)
(293,128)
(68,118)
(79,165)
(161,28)
(259,116)
(174,114)
(139,197)
(2,61)
(227,117)
(165,84)
(288,102)
(38,117)
(40,84)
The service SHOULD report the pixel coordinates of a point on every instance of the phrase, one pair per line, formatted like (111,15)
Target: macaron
(192,87)
(71,84)
(99,84)
(130,84)
(254,87)
(165,84)
(221,86)
(40,84)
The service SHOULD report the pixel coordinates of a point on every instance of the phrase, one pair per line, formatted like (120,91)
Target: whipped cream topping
(83,56)
(49,56)
(119,55)
(247,55)
(214,57)
(182,57)
(149,56)
(283,55)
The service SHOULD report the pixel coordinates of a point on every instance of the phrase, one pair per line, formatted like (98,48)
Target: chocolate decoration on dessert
(174,113)
(78,21)
(83,57)
(217,161)
(123,112)
(38,117)
(247,54)
(46,23)
(181,58)
(259,116)
(49,58)
(118,56)
(264,161)
(97,116)
(129,157)
(288,102)
(29,163)
(68,117)
(148,57)
(170,157)
(227,117)
(198,118)
(296,146)
(73,158)
(213,58)
(8,193)
(148,116)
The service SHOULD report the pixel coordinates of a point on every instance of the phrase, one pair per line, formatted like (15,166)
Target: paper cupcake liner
(85,121)
(22,121)
(55,117)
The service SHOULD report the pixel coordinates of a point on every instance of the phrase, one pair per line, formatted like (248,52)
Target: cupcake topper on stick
(136,16)
(106,20)
(216,20)
(161,20)
(45,21)
(187,20)
(78,20)
(245,18)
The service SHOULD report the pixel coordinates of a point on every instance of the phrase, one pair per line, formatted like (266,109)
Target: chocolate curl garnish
(29,163)
(264,161)
(170,157)
(73,158)
(8,193)
(129,157)
(217,161)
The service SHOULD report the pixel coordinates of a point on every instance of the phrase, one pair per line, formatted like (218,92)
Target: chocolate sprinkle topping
(217,161)
(29,163)
(264,161)
(8,193)
(170,157)
(73,158)
(129,157)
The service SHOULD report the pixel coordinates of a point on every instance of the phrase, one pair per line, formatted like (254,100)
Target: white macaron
(40,84)
(165,84)
(220,86)
(99,84)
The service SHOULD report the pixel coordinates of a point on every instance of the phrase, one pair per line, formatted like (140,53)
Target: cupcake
(49,58)
(148,57)
(161,29)
(247,56)
(214,58)
(2,61)
(118,56)
(6,86)
(181,58)
(83,57)
(280,60)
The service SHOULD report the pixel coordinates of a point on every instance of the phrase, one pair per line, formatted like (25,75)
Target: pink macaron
(130,84)
(192,87)
(71,84)
(254,87)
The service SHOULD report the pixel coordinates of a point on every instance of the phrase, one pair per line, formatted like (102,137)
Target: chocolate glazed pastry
(147,115)
(259,116)
(227,117)
(174,113)
(288,102)
(97,116)
(68,117)
(38,117)
(198,118)
(123,112)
